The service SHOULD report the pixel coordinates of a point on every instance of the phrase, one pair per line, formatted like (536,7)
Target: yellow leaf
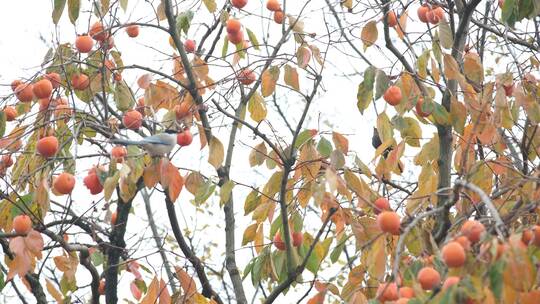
(225,192)
(451,69)
(54,292)
(291,77)
(216,152)
(249,233)
(402,25)
(309,161)
(210,5)
(473,69)
(257,107)
(109,185)
(369,34)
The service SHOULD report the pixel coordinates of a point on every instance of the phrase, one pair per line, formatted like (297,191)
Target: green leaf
(225,46)
(334,255)
(97,258)
(58,8)
(496,279)
(210,5)
(123,97)
(324,147)
(2,281)
(204,192)
(23,205)
(73,10)
(509,13)
(409,128)
(382,81)
(304,136)
(364,94)
(253,39)
(124,4)
(445,32)
(2,123)
(183,21)
(440,115)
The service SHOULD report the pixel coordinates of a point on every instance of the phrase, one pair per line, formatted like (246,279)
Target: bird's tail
(126,142)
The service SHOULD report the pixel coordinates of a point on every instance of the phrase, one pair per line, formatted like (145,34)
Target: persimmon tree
(443,208)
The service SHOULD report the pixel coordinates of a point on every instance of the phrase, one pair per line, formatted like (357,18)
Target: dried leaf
(369,34)
(216,152)
(257,107)
(268,81)
(291,77)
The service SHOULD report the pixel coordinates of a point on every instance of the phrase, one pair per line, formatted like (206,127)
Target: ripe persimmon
(184,138)
(273,5)
(279,16)
(101,287)
(453,254)
(6,161)
(473,230)
(389,221)
(84,43)
(297,238)
(450,281)
(239,3)
(189,45)
(42,88)
(11,113)
(278,242)
(92,182)
(387,292)
(464,242)
(107,43)
(428,278)
(419,108)
(64,183)
(422,13)
(132,120)
(435,15)
(97,31)
(393,95)
(80,81)
(47,146)
(15,83)
(132,30)
(236,38)
(24,92)
(118,153)
(536,238)
(233,26)
(391,19)
(406,292)
(381,204)
(114,215)
(54,78)
(527,236)
(22,224)
(246,76)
